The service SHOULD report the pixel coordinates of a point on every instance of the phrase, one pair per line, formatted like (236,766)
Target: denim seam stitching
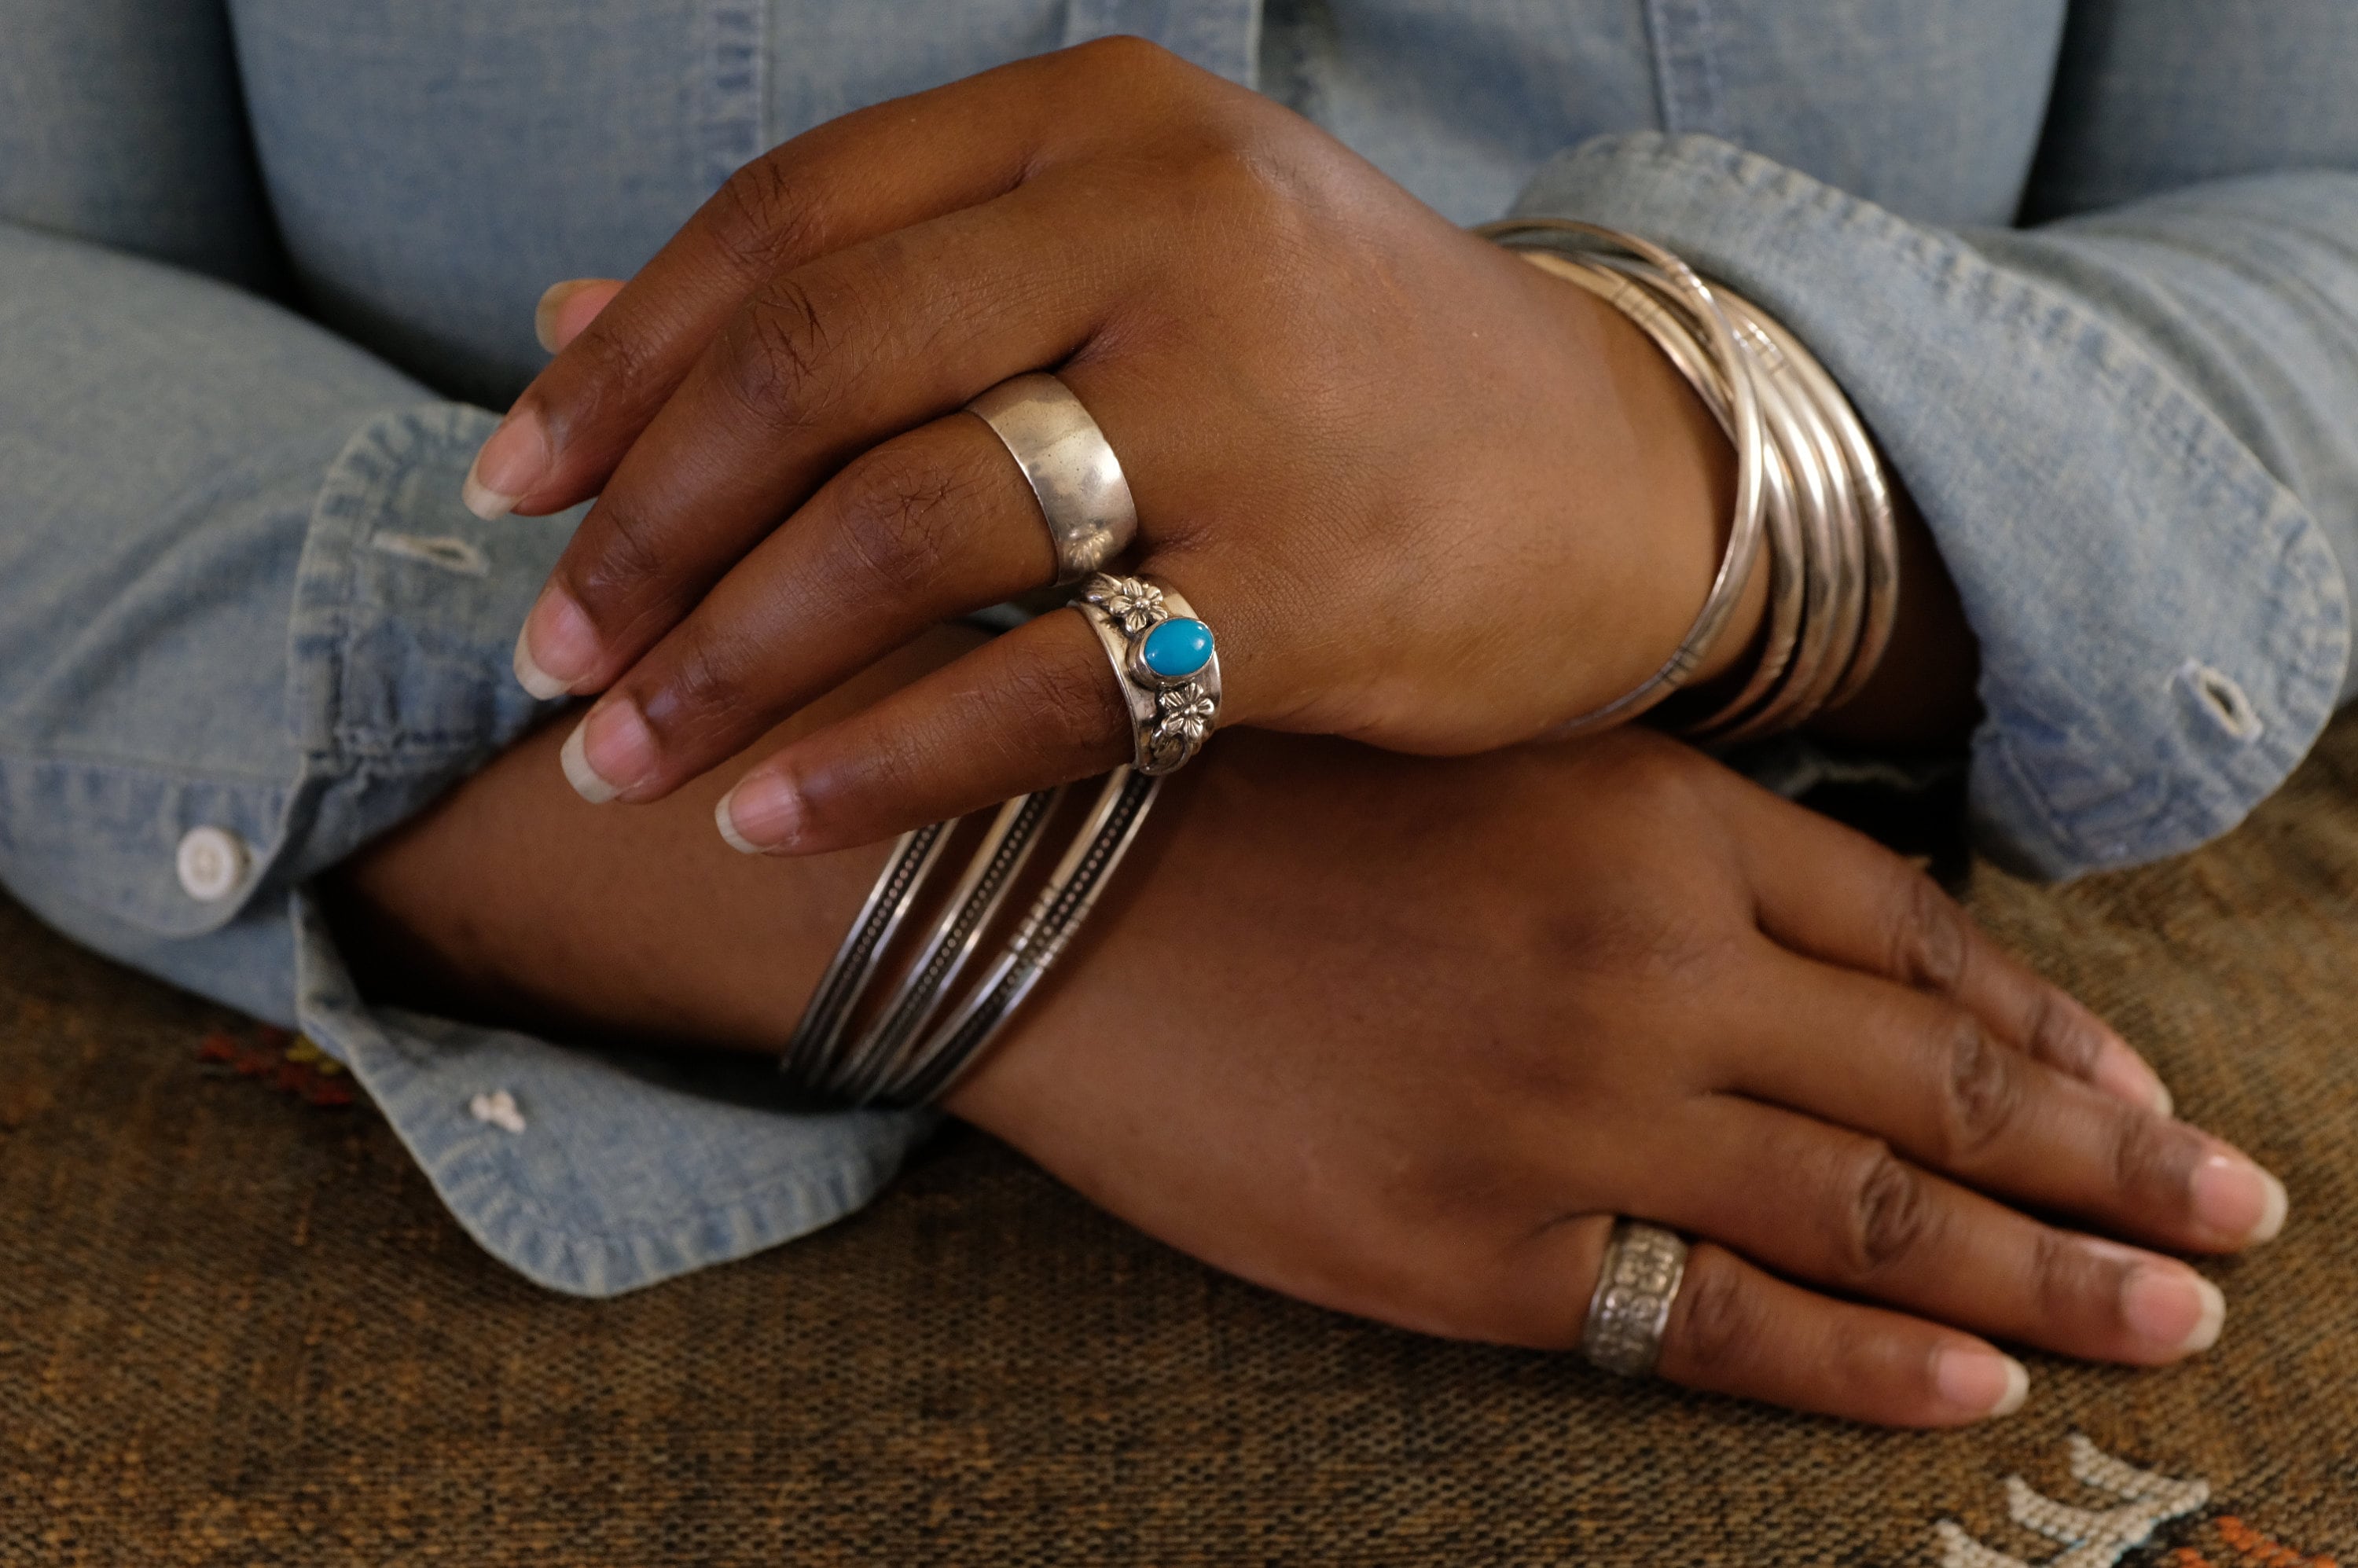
(1686,70)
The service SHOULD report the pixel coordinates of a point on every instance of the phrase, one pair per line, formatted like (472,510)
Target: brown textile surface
(235,1328)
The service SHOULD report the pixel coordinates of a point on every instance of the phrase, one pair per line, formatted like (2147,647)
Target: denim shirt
(2090,271)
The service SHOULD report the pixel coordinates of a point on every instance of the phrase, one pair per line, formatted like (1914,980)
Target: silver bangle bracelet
(957,932)
(820,1031)
(1056,913)
(911,1054)
(1871,485)
(1626,289)
(1821,509)
(1832,532)
(1746,533)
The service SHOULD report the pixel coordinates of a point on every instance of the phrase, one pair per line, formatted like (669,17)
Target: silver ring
(1071,468)
(1643,1266)
(1166,662)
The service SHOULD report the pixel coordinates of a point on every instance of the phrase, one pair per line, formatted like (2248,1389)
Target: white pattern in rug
(2092,1538)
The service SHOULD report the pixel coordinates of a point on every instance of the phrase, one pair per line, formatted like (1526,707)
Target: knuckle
(604,366)
(2065,1277)
(1930,942)
(1227,171)
(1718,1330)
(2152,1160)
(776,354)
(1884,1214)
(628,554)
(757,219)
(1636,942)
(1127,55)
(901,517)
(1063,707)
(1982,1088)
(2063,1034)
(703,684)
(1652,773)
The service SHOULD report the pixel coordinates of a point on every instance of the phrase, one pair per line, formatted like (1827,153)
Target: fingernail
(509,463)
(2124,1074)
(587,783)
(552,301)
(2238,1200)
(610,752)
(2174,1309)
(557,647)
(1981,1382)
(760,814)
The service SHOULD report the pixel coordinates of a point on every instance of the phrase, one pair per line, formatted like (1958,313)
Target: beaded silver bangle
(918,1046)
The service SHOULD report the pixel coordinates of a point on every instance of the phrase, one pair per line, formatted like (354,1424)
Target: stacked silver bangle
(1808,484)
(916,1041)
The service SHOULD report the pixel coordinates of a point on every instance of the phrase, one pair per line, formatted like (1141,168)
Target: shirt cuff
(2163,628)
(385,616)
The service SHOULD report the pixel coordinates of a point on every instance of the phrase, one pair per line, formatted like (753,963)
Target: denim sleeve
(2129,434)
(245,627)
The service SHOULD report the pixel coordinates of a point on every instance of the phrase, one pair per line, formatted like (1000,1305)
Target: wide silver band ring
(1070,466)
(1165,662)
(1644,1265)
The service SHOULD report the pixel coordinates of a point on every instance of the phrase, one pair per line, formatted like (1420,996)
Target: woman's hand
(1427,495)
(1400,1036)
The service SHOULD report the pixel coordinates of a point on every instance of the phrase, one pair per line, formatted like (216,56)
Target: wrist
(1669,497)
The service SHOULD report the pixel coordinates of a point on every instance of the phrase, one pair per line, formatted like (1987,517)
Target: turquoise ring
(1166,662)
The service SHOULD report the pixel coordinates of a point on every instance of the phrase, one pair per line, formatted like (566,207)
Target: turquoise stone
(1178,648)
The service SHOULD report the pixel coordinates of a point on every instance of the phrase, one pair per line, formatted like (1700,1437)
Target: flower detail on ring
(1131,604)
(1184,713)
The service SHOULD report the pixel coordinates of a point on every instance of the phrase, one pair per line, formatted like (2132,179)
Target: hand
(1399,1036)
(1428,496)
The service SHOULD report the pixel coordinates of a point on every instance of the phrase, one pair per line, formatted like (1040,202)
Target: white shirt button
(211,863)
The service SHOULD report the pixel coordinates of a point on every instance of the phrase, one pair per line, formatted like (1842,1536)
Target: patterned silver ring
(1078,481)
(1644,1265)
(1166,662)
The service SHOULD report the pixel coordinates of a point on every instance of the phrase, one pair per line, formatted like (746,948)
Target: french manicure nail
(509,463)
(557,647)
(760,814)
(586,781)
(1980,1381)
(2172,1308)
(552,301)
(528,673)
(2238,1200)
(616,749)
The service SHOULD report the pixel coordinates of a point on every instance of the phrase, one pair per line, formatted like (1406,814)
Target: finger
(567,308)
(1735,1329)
(819,365)
(1838,895)
(1930,1077)
(868,173)
(912,532)
(1035,708)
(1847,1214)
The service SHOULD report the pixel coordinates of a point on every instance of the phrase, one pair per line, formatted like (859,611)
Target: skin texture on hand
(1400,1036)
(1427,496)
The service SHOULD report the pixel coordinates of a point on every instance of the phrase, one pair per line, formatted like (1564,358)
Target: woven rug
(236,1328)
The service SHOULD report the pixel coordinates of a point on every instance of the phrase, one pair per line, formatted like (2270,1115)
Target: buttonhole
(2221,700)
(441,550)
